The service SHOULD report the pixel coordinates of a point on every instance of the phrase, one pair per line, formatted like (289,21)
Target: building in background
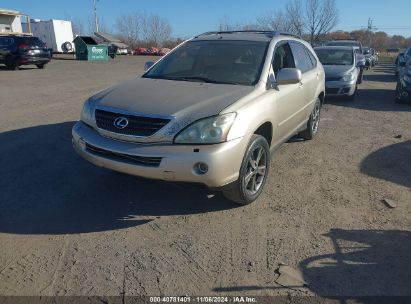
(111,40)
(11,23)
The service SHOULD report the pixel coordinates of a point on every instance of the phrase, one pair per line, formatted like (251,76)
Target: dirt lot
(70,228)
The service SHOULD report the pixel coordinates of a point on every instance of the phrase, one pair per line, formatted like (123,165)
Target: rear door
(5,44)
(287,97)
(307,63)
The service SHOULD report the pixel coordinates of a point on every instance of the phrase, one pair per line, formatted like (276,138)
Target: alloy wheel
(316,118)
(256,170)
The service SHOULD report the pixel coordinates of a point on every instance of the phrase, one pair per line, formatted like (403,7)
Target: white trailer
(55,33)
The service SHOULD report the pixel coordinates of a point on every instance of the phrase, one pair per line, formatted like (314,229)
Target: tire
(313,122)
(11,63)
(67,47)
(352,97)
(398,96)
(360,78)
(253,173)
(41,66)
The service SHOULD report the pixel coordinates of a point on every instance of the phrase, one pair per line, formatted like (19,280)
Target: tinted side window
(283,58)
(302,60)
(5,41)
(312,57)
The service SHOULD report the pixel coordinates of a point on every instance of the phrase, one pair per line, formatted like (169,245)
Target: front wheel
(313,122)
(360,77)
(40,66)
(253,173)
(352,97)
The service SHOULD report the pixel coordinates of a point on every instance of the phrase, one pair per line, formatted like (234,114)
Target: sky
(191,17)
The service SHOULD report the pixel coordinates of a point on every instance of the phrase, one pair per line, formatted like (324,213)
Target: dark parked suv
(22,50)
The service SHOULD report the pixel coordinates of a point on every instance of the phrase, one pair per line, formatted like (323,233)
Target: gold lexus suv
(210,112)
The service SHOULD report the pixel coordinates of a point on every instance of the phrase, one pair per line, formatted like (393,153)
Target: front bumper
(340,88)
(177,161)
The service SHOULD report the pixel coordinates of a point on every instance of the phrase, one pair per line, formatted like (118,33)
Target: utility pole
(95,14)
(370,28)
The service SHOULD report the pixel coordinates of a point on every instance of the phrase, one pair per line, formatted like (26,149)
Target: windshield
(335,57)
(227,62)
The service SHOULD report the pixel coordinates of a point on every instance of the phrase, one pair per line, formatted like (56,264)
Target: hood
(185,101)
(337,71)
(171,98)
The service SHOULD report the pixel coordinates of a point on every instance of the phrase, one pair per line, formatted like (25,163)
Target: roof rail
(264,32)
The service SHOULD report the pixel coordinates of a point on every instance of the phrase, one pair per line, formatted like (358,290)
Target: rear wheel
(253,173)
(12,63)
(398,93)
(40,66)
(313,122)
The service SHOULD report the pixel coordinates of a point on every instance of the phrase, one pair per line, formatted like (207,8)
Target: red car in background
(153,51)
(140,51)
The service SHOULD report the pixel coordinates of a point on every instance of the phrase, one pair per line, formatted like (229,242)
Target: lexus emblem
(121,122)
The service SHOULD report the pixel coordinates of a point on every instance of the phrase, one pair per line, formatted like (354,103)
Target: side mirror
(148,65)
(289,76)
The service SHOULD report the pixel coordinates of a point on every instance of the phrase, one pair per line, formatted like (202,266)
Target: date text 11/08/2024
(187,299)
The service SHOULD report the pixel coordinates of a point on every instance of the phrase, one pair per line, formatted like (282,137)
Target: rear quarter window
(301,57)
(312,57)
(6,41)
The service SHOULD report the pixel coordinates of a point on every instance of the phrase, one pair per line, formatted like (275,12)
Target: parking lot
(70,228)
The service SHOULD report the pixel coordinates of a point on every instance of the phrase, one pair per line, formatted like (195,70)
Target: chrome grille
(137,125)
(132,159)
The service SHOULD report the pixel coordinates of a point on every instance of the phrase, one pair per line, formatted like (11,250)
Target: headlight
(348,77)
(210,130)
(87,114)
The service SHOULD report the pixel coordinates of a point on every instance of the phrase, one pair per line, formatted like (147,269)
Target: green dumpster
(88,49)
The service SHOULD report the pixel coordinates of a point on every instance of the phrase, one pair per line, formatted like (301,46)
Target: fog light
(200,168)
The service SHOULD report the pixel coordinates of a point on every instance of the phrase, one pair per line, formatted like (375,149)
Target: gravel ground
(70,228)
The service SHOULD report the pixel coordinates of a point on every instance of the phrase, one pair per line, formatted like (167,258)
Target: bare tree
(155,29)
(321,17)
(275,21)
(294,17)
(129,28)
(226,24)
(78,27)
(91,25)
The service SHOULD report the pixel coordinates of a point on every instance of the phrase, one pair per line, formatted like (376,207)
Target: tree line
(380,41)
(313,20)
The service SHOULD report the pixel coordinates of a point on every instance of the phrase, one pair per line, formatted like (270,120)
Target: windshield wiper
(191,78)
(203,79)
